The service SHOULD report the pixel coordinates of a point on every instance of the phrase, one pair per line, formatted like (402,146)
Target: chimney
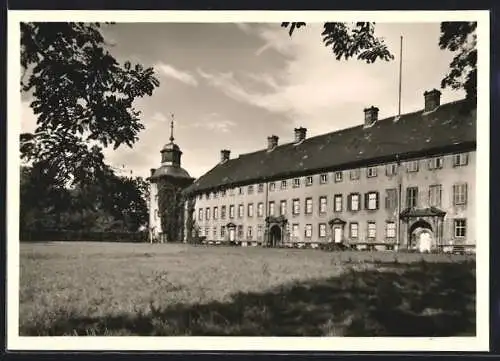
(300,134)
(272,142)
(371,115)
(224,155)
(432,100)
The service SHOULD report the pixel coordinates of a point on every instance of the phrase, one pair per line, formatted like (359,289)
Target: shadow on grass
(421,299)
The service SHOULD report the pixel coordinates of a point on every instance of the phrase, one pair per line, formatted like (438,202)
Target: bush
(72,236)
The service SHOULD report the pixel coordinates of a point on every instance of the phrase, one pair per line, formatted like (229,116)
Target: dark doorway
(275,235)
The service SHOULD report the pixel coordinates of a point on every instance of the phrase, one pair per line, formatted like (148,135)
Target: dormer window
(309,181)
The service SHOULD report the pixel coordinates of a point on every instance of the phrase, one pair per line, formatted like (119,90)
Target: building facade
(396,183)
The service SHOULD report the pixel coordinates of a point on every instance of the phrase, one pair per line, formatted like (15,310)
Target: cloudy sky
(232,85)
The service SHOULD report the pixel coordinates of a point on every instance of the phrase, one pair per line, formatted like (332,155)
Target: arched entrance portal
(421,236)
(275,235)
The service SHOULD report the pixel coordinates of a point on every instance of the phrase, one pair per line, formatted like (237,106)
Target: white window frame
(271,208)
(460,194)
(461,159)
(371,172)
(260,188)
(215,212)
(231,211)
(295,207)
(339,176)
(372,230)
(309,205)
(391,169)
(295,230)
(322,230)
(309,181)
(436,163)
(412,166)
(323,178)
(323,204)
(337,202)
(354,174)
(457,226)
(250,209)
(308,231)
(390,230)
(283,205)
(296,182)
(272,187)
(260,209)
(351,200)
(284,185)
(372,201)
(241,210)
(433,189)
(354,234)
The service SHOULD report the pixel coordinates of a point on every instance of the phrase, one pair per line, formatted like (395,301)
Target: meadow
(85,288)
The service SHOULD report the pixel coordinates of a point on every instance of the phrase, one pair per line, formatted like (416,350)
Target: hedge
(57,235)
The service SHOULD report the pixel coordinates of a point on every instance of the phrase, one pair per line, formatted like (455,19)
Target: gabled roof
(448,128)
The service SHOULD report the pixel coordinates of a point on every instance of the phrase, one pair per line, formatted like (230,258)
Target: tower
(166,210)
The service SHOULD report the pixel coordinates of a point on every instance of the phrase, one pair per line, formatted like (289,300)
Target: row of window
(371,202)
(459,230)
(354,174)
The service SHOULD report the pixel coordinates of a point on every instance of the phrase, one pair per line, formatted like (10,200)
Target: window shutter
(349,200)
(377,200)
(465,193)
(366,200)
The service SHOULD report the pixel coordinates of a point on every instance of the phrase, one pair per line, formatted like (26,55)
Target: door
(337,234)
(424,243)
(231,234)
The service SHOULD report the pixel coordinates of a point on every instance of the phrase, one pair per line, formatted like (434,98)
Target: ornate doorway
(421,236)
(275,237)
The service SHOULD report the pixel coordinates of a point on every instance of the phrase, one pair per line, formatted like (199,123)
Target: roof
(449,127)
(170,171)
(422,212)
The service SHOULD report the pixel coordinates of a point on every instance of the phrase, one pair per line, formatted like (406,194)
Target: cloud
(171,72)
(314,89)
(215,122)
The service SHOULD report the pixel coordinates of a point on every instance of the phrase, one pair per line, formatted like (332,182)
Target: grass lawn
(143,289)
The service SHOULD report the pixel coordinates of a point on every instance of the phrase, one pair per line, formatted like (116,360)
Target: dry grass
(142,289)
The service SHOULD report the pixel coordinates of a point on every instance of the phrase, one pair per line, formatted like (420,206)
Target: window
(322,230)
(354,174)
(282,208)
(223,192)
(322,205)
(460,226)
(250,209)
(207,195)
(200,214)
(200,196)
(207,230)
(214,232)
(309,181)
(390,230)
(338,177)
(337,203)
(295,230)
(207,213)
(436,163)
(460,160)
(250,190)
(216,194)
(283,185)
(308,231)
(231,211)
(460,193)
(354,202)
(271,208)
(411,197)
(323,178)
(260,210)
(223,212)
(231,191)
(371,172)
(371,200)
(412,166)
(240,190)
(435,195)
(259,232)
(240,231)
(353,230)
(216,212)
(391,198)
(261,188)
(296,207)
(296,183)
(249,232)
(372,230)
(309,205)
(272,187)
(391,169)
(222,231)
(240,211)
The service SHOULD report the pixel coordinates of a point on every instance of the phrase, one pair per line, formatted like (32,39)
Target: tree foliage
(359,40)
(113,204)
(81,95)
(350,40)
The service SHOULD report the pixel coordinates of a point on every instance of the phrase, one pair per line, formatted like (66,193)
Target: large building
(401,182)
